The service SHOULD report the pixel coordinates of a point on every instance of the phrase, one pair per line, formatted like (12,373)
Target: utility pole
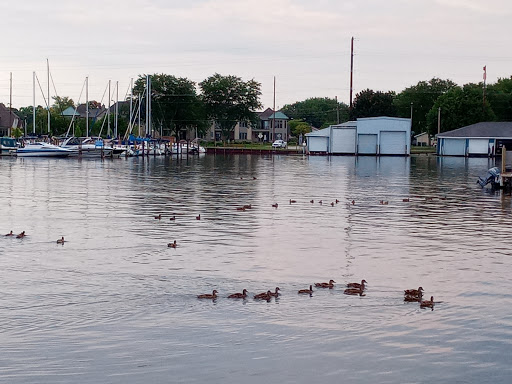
(485,79)
(439,121)
(337,110)
(10,106)
(48,72)
(34,103)
(351,70)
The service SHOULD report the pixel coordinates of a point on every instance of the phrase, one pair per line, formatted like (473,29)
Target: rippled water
(114,304)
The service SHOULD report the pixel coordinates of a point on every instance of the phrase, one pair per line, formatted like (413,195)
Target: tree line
(460,106)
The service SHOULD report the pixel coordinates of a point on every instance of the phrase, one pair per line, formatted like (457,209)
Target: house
(422,140)
(8,120)
(270,126)
(81,112)
(483,139)
(365,136)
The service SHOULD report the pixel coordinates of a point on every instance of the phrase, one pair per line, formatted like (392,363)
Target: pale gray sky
(305,44)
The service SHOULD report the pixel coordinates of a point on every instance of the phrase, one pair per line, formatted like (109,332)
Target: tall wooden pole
(10,106)
(274,116)
(34,102)
(48,72)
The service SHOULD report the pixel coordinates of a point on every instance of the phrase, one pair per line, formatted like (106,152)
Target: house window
(242,124)
(242,136)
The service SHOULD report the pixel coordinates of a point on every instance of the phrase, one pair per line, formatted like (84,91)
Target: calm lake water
(114,304)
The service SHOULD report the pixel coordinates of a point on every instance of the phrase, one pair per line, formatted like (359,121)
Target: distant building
(483,139)
(270,127)
(366,136)
(8,120)
(422,140)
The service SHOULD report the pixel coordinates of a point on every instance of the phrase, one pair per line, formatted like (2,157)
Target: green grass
(417,149)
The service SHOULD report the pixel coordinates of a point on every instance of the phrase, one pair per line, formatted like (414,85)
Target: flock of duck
(22,235)
(410,295)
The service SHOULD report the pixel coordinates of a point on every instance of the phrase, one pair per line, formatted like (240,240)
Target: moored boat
(8,146)
(40,149)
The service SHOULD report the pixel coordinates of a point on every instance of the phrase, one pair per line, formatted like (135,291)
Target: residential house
(422,140)
(8,120)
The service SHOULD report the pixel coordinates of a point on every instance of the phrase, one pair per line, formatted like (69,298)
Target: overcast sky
(305,44)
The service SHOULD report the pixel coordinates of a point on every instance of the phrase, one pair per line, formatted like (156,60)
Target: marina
(115,303)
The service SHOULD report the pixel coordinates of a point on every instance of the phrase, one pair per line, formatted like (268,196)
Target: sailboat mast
(87,106)
(131,106)
(117,109)
(108,110)
(34,102)
(48,105)
(10,105)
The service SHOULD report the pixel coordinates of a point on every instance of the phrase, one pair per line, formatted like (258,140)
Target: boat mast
(87,106)
(108,110)
(10,106)
(117,108)
(131,106)
(48,105)
(34,102)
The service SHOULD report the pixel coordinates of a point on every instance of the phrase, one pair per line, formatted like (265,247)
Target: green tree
(175,103)
(319,112)
(499,96)
(422,96)
(460,106)
(229,99)
(298,127)
(16,133)
(369,103)
(61,103)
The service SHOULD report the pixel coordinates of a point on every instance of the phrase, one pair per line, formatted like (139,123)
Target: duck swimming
(172,218)
(276,293)
(158,217)
(198,217)
(263,296)
(242,295)
(61,240)
(293,201)
(427,303)
(330,284)
(172,245)
(208,296)
(414,292)
(21,235)
(354,291)
(357,285)
(275,205)
(306,291)
(10,234)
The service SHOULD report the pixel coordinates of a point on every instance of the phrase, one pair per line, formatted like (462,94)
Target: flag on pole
(485,72)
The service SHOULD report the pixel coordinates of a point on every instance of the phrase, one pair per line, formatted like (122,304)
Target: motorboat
(8,146)
(87,147)
(40,149)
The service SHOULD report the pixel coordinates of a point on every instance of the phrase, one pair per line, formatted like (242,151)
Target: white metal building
(366,136)
(482,139)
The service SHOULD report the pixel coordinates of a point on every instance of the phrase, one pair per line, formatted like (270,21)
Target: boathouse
(483,139)
(371,136)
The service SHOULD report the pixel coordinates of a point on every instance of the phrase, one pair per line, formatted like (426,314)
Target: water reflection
(116,302)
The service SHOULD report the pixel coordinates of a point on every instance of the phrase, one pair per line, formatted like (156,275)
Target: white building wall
(376,125)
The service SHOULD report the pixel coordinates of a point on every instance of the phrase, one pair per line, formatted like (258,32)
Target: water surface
(114,304)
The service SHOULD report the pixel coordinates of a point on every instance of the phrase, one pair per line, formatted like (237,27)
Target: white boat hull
(42,150)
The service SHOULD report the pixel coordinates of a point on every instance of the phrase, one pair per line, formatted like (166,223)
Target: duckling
(172,218)
(254,178)
(405,200)
(354,291)
(337,201)
(248,206)
(61,240)
(332,204)
(208,296)
(242,295)
(263,296)
(198,217)
(158,217)
(357,285)
(414,292)
(10,234)
(320,202)
(275,205)
(353,202)
(21,235)
(330,284)
(292,201)
(306,291)
(427,303)
(276,293)
(172,245)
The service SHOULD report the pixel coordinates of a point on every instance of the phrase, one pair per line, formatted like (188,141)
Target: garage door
(318,143)
(343,140)
(478,146)
(367,144)
(454,147)
(393,143)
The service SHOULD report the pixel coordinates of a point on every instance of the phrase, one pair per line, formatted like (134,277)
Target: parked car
(279,144)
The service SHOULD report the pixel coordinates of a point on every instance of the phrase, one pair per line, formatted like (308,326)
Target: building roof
(268,114)
(278,116)
(8,118)
(420,134)
(486,129)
